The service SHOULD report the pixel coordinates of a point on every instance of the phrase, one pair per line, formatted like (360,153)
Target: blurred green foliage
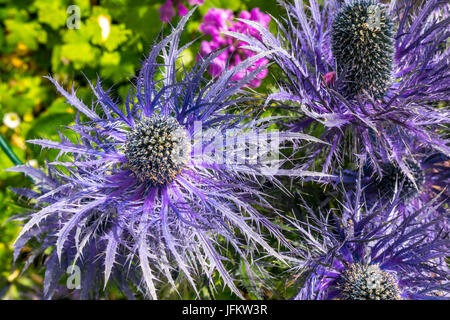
(35,41)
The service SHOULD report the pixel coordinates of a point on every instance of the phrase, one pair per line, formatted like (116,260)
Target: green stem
(11,155)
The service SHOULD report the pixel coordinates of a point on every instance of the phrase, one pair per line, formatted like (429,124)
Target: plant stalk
(9,152)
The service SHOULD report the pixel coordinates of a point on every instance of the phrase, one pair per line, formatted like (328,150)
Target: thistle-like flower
(425,177)
(134,202)
(363,72)
(375,253)
(428,178)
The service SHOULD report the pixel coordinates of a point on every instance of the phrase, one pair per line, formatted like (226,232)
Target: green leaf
(233,5)
(80,54)
(29,33)
(52,12)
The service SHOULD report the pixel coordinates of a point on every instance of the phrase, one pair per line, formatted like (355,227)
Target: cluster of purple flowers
(369,78)
(364,81)
(218,21)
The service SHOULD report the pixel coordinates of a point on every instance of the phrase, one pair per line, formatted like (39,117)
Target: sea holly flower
(375,252)
(144,197)
(215,23)
(426,177)
(363,72)
(393,178)
(429,178)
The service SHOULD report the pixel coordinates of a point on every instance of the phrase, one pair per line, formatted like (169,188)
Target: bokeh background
(113,37)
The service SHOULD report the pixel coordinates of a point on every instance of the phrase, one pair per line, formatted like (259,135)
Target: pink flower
(330,77)
(254,15)
(182,10)
(166,11)
(194,2)
(215,22)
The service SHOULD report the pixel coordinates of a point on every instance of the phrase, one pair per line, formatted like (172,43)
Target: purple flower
(363,72)
(374,253)
(428,178)
(218,21)
(425,177)
(167,10)
(131,201)
(194,2)
(182,10)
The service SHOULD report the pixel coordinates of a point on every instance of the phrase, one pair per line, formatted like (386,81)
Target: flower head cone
(424,177)
(134,205)
(375,253)
(364,72)
(427,179)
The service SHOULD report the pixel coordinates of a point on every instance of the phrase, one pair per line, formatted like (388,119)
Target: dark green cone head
(362,45)
(393,178)
(157,149)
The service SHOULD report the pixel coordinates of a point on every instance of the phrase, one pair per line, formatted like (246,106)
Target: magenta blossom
(217,21)
(167,10)
(194,2)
